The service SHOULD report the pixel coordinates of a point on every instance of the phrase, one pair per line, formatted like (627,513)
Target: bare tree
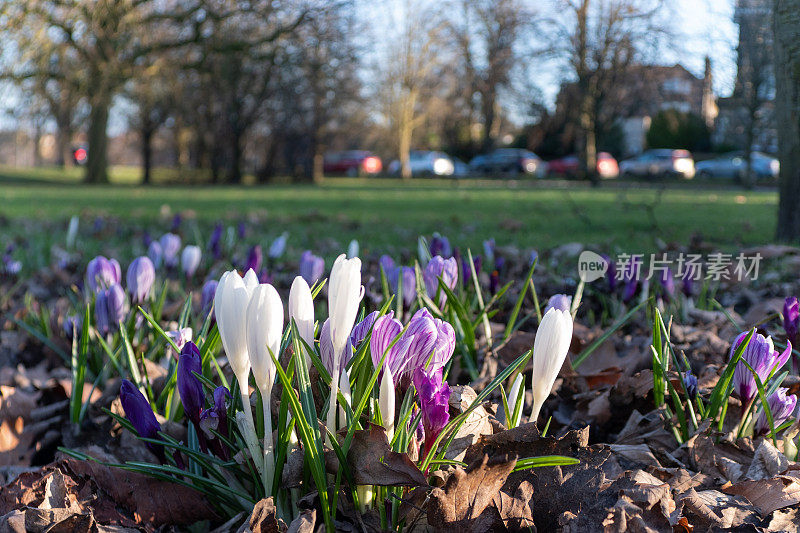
(409,72)
(600,40)
(786,24)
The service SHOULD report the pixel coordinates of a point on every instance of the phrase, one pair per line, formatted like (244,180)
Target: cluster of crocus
(764,360)
(447,270)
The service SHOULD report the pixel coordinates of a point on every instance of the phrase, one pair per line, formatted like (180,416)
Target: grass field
(388,215)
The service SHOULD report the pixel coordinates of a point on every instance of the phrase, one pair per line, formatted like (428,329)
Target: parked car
(426,163)
(508,160)
(733,166)
(607,167)
(352,163)
(659,163)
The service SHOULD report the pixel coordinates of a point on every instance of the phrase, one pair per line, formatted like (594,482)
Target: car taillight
(371,165)
(80,155)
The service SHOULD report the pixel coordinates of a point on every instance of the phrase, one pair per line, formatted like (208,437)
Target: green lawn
(388,215)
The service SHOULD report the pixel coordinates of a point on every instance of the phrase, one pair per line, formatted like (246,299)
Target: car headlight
(442,167)
(684,166)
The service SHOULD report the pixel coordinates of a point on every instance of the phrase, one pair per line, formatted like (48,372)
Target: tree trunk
(97,162)
(147,154)
(63,146)
(235,175)
(786,24)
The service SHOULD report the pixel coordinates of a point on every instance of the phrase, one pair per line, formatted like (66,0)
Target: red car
(352,163)
(568,166)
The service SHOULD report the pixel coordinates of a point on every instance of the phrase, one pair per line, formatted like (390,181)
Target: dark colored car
(352,163)
(508,161)
(607,167)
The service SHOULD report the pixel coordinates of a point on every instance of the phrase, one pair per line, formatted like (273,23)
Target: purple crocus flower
(171,247)
(611,272)
(312,267)
(360,330)
(667,282)
(140,278)
(101,273)
(216,419)
(72,325)
(214,241)
(762,357)
(386,263)
(466,271)
(155,253)
(434,398)
(278,246)
(180,337)
(409,283)
(254,258)
(117,302)
(140,415)
(101,312)
(562,302)
(440,245)
(687,284)
(386,329)
(189,386)
(209,291)
(437,267)
(781,406)
(444,347)
(146,239)
(241,230)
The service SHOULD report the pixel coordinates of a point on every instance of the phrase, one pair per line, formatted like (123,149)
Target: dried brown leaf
(373,462)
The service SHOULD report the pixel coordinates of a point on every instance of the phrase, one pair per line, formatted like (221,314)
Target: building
(746,117)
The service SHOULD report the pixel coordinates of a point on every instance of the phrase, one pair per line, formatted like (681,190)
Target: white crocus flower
(230,308)
(264,321)
(301,310)
(549,351)
(344,295)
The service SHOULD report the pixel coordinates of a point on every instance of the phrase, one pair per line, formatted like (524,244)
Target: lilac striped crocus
(781,406)
(312,267)
(412,349)
(180,337)
(762,358)
(434,398)
(101,273)
(447,270)
(140,415)
(140,278)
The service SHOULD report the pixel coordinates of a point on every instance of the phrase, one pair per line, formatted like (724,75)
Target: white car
(659,163)
(426,163)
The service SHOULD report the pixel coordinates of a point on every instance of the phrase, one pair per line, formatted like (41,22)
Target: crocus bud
(437,267)
(190,260)
(170,246)
(409,283)
(254,258)
(278,246)
(312,267)
(101,273)
(72,325)
(791,318)
(344,296)
(101,312)
(690,382)
(434,397)
(667,282)
(72,231)
(264,319)
(117,305)
(352,249)
(562,302)
(301,310)
(207,298)
(762,358)
(140,415)
(440,245)
(140,278)
(550,348)
(513,395)
(386,399)
(386,263)
(230,309)
(781,406)
(214,241)
(155,253)
(189,386)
